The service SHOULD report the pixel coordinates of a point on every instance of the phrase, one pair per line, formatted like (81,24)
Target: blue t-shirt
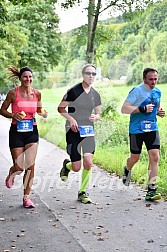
(140,96)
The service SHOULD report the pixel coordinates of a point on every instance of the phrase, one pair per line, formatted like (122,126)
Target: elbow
(125,110)
(122,110)
(2,112)
(58,109)
(98,117)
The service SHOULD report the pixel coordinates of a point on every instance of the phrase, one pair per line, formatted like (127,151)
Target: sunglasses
(89,73)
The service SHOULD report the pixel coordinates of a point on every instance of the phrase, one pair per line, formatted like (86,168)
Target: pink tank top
(28,106)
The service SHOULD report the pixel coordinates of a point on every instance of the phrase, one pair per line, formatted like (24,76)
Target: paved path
(118,220)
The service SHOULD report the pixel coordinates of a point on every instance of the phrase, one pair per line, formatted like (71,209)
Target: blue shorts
(151,140)
(20,139)
(76,145)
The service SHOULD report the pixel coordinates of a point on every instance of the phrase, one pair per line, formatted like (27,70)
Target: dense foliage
(31,37)
(123,46)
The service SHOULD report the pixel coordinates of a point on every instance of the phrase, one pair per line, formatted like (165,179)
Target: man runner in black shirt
(81,100)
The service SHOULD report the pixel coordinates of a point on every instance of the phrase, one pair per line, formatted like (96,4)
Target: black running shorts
(151,140)
(20,139)
(76,145)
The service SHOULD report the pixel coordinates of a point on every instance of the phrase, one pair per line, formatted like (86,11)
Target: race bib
(25,125)
(148,126)
(86,131)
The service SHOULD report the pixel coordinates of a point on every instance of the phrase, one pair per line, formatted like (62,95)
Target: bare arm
(128,108)
(10,98)
(62,110)
(39,103)
(5,105)
(40,111)
(96,116)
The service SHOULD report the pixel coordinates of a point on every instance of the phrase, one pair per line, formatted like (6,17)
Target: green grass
(112,133)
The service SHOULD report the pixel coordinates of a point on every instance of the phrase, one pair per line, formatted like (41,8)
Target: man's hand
(149,108)
(94,117)
(74,125)
(161,112)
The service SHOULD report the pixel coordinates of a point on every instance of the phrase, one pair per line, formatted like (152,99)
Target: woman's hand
(43,113)
(17,116)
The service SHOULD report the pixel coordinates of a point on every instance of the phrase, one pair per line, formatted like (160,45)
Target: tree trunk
(93,14)
(89,52)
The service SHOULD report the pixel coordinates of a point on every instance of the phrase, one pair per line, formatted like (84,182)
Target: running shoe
(9,181)
(152,195)
(64,171)
(126,176)
(83,197)
(27,203)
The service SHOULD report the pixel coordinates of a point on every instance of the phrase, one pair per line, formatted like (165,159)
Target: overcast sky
(74,17)
(77,16)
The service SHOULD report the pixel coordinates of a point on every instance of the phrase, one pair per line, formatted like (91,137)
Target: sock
(26,196)
(69,166)
(151,187)
(126,171)
(86,174)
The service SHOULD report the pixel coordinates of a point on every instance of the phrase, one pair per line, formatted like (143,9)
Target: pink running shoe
(27,203)
(9,181)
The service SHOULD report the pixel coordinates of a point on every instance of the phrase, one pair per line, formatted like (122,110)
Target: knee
(76,167)
(88,164)
(155,158)
(134,159)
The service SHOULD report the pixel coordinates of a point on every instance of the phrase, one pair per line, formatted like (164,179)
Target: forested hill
(125,44)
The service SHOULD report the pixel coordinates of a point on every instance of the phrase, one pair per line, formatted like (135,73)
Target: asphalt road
(119,219)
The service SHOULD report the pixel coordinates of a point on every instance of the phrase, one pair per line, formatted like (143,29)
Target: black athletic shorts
(151,140)
(20,139)
(76,145)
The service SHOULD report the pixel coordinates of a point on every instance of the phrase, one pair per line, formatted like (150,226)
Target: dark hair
(87,65)
(147,70)
(16,73)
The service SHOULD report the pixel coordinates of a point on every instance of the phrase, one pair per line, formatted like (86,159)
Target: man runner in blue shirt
(143,105)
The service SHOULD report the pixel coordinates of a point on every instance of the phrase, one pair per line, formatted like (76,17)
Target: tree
(29,36)
(40,23)
(23,2)
(155,17)
(95,8)
(4,14)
